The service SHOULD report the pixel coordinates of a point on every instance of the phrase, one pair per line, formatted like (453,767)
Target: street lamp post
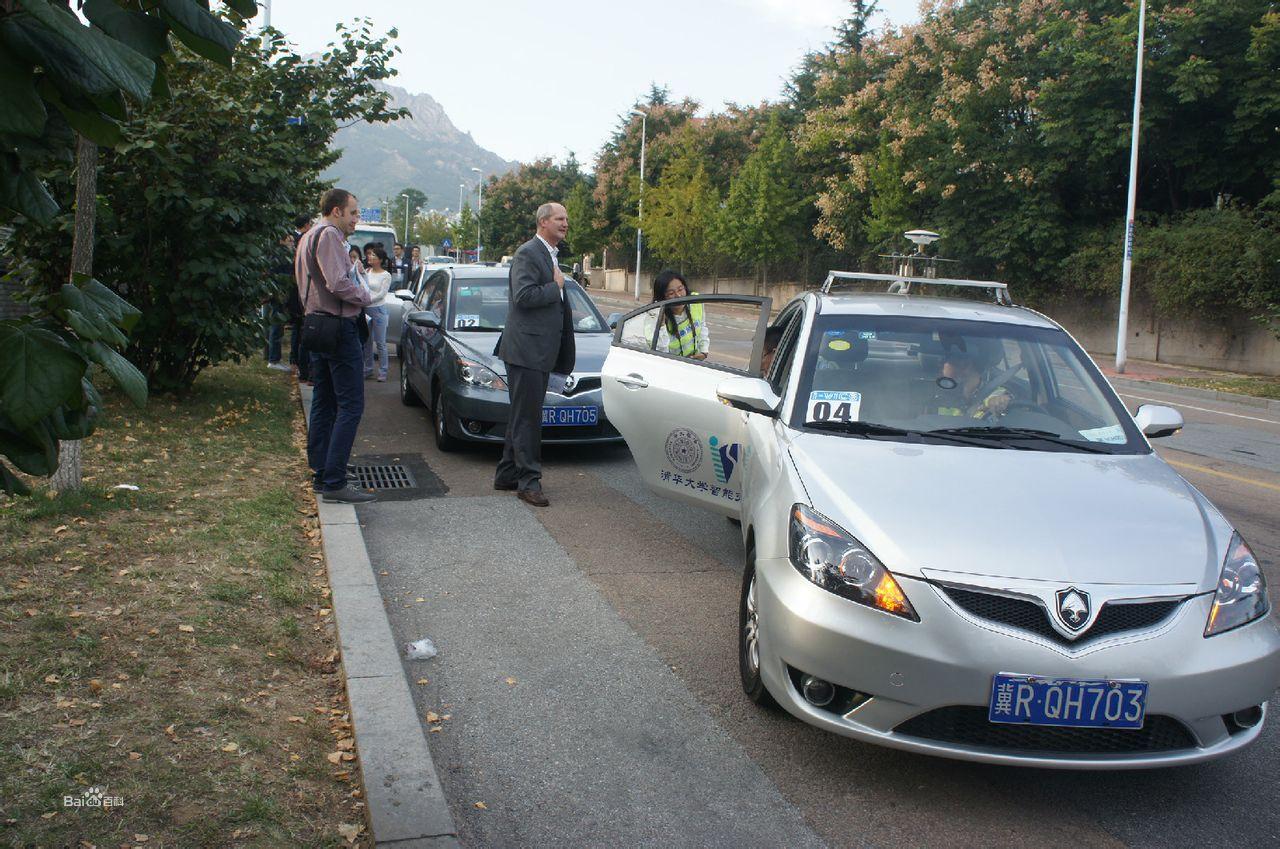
(1122,330)
(457,249)
(406,218)
(479,208)
(644,117)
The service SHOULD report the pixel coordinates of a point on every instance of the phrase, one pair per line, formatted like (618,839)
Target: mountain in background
(424,151)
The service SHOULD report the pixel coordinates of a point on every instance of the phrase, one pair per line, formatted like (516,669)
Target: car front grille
(1027,615)
(968,725)
(584,384)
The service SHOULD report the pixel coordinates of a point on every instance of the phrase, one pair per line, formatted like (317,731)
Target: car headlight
(1242,591)
(476,374)
(838,563)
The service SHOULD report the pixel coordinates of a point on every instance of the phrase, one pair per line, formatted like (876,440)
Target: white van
(373,231)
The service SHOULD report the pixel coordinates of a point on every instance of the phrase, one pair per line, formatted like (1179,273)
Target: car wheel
(749,638)
(440,412)
(408,396)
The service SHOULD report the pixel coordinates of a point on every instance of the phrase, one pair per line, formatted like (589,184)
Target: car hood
(591,349)
(1031,515)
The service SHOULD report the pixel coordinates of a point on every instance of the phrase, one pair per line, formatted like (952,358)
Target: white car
(959,541)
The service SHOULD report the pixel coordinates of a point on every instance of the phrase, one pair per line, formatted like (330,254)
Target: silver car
(959,542)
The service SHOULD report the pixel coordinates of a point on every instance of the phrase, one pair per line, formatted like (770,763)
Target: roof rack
(902,285)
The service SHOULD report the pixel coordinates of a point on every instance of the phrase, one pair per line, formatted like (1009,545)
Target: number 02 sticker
(827,406)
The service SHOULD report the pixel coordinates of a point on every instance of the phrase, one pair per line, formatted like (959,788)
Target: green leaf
(128,69)
(83,118)
(39,372)
(210,37)
(10,483)
(21,110)
(123,372)
(23,192)
(144,33)
(33,450)
(65,423)
(121,312)
(243,8)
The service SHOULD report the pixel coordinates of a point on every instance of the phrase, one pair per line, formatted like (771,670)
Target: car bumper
(480,415)
(941,667)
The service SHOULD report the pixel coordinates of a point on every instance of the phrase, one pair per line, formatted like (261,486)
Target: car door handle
(633,381)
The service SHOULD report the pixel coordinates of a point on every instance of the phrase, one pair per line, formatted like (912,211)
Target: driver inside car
(959,386)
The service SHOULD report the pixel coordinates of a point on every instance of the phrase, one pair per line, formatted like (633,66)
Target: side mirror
(404,294)
(1156,421)
(423,318)
(749,393)
(612,320)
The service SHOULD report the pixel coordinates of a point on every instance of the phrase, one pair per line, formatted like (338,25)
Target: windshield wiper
(871,429)
(1006,433)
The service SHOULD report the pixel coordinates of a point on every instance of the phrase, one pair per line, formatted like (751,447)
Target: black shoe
(534,497)
(506,487)
(347,495)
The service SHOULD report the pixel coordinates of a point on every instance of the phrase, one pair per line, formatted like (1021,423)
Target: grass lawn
(173,647)
(1261,387)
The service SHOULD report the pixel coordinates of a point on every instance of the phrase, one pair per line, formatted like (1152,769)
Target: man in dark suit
(537,340)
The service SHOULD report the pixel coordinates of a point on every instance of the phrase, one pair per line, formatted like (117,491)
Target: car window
(719,333)
(433,292)
(481,304)
(926,376)
(784,355)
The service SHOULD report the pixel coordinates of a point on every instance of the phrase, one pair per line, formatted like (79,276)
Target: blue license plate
(1034,700)
(554,416)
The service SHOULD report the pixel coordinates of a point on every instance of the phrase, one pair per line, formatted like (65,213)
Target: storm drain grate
(383,476)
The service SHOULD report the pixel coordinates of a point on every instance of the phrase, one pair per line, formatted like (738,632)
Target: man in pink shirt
(326,285)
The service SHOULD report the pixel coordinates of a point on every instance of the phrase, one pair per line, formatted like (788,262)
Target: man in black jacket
(537,340)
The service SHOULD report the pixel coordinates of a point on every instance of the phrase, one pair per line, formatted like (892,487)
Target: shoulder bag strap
(313,267)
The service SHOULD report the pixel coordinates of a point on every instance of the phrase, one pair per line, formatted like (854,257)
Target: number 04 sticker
(827,406)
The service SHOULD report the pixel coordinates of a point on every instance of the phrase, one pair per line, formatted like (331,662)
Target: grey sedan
(447,361)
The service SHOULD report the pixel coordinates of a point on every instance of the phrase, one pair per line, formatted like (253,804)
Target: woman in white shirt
(379,282)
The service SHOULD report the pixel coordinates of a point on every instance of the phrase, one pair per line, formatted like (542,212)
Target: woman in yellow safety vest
(684,326)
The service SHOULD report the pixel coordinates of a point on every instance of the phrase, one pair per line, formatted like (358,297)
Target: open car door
(659,385)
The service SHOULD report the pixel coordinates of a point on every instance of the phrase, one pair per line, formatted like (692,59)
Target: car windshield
(960,382)
(481,304)
(360,238)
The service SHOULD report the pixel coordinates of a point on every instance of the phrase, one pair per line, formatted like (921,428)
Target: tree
(511,202)
(760,219)
(463,231)
(195,198)
(680,213)
(432,228)
(65,85)
(416,202)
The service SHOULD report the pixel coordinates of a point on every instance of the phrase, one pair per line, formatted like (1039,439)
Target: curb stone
(1195,393)
(404,801)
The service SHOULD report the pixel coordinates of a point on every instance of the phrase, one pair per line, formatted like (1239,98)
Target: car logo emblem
(1073,607)
(570,382)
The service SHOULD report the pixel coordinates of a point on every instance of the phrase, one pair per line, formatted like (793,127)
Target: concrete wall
(621,280)
(1242,346)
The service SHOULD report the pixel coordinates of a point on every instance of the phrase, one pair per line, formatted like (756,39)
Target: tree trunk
(68,475)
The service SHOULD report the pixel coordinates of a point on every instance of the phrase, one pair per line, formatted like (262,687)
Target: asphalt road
(588,670)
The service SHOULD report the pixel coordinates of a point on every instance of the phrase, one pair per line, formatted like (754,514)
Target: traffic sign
(447,243)
(372,213)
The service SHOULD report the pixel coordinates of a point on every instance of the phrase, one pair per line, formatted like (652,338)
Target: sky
(530,79)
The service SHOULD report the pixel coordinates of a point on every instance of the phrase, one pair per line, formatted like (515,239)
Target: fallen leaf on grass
(481,806)
(60,529)
(31,611)
(75,723)
(436,729)
(135,756)
(350,831)
(297,719)
(95,685)
(231,747)
(334,758)
(432,716)
(187,629)
(422,682)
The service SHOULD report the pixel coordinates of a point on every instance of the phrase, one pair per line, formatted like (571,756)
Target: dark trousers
(337,403)
(298,355)
(275,336)
(521,461)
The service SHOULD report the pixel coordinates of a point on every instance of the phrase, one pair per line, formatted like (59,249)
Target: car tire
(408,396)
(749,639)
(445,441)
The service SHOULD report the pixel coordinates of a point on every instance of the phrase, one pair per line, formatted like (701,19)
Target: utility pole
(1122,330)
(644,117)
(479,207)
